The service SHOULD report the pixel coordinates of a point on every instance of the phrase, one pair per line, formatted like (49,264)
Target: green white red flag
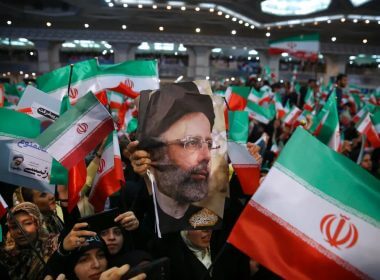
(327,130)
(303,46)
(292,116)
(309,100)
(315,216)
(109,175)
(245,166)
(77,131)
(89,76)
(236,97)
(366,127)
(260,113)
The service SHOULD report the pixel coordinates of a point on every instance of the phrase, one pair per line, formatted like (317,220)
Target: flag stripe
(281,250)
(273,196)
(354,180)
(11,121)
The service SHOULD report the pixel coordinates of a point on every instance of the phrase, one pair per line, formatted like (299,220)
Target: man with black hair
(341,83)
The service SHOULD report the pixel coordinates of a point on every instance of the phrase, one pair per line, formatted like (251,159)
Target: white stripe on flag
(303,209)
(66,141)
(106,163)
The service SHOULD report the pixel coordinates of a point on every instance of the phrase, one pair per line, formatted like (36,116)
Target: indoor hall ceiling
(112,15)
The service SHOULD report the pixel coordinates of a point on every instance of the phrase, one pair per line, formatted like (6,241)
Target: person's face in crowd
(343,82)
(44,201)
(114,239)
(200,238)
(366,162)
(91,264)
(346,147)
(185,164)
(28,224)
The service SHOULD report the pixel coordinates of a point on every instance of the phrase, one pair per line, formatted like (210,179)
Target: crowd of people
(43,240)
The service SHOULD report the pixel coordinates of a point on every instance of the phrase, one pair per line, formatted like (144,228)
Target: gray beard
(178,184)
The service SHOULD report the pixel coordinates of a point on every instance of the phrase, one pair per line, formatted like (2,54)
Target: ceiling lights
(293,8)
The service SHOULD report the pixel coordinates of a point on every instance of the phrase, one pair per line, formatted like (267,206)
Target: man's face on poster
(183,169)
(17,161)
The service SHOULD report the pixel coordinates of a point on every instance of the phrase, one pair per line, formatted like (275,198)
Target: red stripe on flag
(115,105)
(102,97)
(249,177)
(27,110)
(88,143)
(77,179)
(119,174)
(283,251)
(106,186)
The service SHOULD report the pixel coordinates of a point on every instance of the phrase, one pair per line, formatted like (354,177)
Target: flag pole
(12,217)
(70,76)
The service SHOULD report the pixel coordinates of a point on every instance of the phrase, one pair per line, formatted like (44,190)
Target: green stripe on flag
(60,77)
(19,125)
(300,38)
(331,173)
(138,68)
(238,121)
(85,104)
(242,91)
(332,120)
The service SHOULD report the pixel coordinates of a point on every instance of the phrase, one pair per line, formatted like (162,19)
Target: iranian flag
(266,95)
(244,165)
(89,76)
(292,116)
(315,216)
(359,115)
(83,80)
(137,75)
(366,127)
(255,96)
(109,175)
(236,97)
(303,46)
(309,100)
(327,130)
(260,113)
(77,131)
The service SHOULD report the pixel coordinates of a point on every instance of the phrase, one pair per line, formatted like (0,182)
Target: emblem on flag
(129,83)
(82,128)
(102,164)
(73,93)
(338,231)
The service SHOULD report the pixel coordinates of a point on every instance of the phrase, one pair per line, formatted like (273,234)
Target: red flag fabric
(77,179)
(125,90)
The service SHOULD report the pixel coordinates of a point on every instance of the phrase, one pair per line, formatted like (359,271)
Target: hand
(115,273)
(76,237)
(140,159)
(254,151)
(59,277)
(128,220)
